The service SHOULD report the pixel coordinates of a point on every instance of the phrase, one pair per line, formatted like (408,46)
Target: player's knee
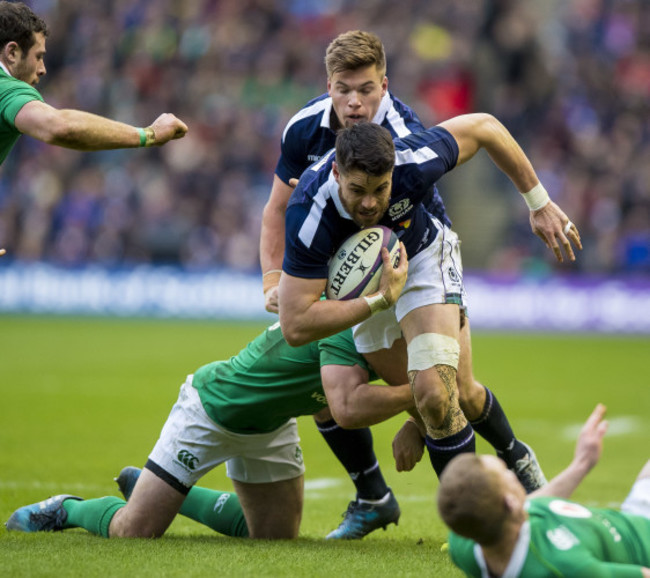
(438,352)
(433,403)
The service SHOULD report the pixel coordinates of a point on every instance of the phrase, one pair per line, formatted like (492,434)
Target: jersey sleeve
(339,349)
(12,100)
(290,164)
(304,258)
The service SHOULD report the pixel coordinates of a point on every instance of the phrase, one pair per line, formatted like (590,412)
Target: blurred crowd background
(569,78)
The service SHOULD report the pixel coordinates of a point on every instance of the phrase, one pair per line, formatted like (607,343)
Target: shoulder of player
(309,117)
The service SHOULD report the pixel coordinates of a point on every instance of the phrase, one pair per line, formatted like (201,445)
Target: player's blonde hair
(471,500)
(353,50)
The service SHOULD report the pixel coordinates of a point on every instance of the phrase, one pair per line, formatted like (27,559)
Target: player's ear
(384,86)
(511,502)
(335,171)
(10,52)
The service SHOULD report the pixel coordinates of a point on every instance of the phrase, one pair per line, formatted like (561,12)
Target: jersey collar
(384,107)
(5,69)
(517,560)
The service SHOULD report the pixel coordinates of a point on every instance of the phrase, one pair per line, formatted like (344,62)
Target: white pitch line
(618,426)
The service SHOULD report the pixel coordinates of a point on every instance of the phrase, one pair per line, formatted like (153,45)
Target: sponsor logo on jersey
(562,538)
(399,209)
(221,502)
(187,459)
(569,509)
(313,158)
(319,397)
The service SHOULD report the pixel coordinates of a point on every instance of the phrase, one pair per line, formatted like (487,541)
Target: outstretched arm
(84,131)
(478,131)
(588,449)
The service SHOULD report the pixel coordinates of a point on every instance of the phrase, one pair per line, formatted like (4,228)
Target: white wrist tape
(537,197)
(376,302)
(430,349)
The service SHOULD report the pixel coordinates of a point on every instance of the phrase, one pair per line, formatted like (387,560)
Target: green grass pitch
(81,398)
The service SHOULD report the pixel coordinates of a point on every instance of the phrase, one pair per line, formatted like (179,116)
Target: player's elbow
(296,331)
(294,336)
(347,419)
(58,131)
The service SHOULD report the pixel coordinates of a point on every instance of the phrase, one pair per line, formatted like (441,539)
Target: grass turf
(81,398)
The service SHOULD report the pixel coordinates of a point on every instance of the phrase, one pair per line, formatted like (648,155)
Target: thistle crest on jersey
(355,269)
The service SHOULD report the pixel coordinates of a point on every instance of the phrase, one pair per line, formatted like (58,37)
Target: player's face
(363,196)
(30,66)
(356,94)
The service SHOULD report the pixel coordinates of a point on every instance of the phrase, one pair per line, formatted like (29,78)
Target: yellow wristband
(271,279)
(150,136)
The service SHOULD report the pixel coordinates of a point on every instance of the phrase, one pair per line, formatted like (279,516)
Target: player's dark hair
(470,500)
(353,50)
(19,24)
(366,147)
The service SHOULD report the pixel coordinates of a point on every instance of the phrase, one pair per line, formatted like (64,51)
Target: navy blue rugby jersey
(308,136)
(317,223)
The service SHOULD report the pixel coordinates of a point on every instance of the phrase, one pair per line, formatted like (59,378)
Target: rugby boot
(362,518)
(46,516)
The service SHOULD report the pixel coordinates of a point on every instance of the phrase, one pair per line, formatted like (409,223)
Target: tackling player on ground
(242,412)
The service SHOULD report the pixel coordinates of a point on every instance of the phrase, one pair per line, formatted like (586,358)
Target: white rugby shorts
(435,276)
(638,500)
(191,444)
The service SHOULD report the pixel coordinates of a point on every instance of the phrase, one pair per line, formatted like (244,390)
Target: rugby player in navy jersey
(368,180)
(358,91)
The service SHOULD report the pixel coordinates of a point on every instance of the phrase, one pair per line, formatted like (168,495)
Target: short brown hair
(367,147)
(19,24)
(353,50)
(470,500)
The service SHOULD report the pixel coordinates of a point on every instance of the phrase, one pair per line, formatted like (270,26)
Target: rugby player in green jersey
(22,109)
(499,531)
(242,412)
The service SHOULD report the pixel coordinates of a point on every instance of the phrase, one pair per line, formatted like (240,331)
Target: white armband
(537,197)
(376,302)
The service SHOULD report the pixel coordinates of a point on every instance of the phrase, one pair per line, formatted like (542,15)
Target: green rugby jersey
(14,94)
(562,538)
(268,382)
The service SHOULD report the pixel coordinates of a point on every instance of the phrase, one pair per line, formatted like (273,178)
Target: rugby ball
(355,269)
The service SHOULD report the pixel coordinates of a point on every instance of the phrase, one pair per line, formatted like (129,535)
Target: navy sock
(443,450)
(494,427)
(354,449)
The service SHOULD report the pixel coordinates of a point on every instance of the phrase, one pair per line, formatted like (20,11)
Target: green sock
(92,515)
(220,511)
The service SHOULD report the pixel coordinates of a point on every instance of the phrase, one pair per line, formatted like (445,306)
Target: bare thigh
(390,364)
(273,510)
(150,510)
